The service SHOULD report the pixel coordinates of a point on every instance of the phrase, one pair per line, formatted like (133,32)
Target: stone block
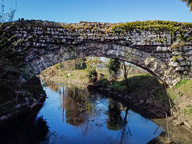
(174,64)
(190,74)
(179,69)
(164,49)
(159,48)
(185,48)
(175,53)
(185,72)
(189,53)
(190,59)
(182,63)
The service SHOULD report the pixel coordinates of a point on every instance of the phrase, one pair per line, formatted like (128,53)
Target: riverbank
(143,93)
(24,100)
(147,93)
(76,77)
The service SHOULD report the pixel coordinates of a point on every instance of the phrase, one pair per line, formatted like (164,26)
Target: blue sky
(101,10)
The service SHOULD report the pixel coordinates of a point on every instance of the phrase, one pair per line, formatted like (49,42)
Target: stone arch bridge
(44,44)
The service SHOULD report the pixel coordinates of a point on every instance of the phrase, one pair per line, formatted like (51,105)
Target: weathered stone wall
(50,43)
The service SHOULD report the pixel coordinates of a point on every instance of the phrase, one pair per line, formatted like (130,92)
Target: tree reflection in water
(91,115)
(117,121)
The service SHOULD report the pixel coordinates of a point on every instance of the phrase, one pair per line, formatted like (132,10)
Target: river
(73,115)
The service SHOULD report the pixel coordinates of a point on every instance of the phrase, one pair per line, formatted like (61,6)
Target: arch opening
(156,67)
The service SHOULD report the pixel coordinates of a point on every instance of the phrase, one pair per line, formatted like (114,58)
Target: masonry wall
(42,39)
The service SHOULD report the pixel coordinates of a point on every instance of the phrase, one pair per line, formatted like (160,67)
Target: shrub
(92,74)
(113,66)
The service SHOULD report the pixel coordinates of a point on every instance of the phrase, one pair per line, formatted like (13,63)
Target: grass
(140,84)
(118,85)
(76,74)
(104,71)
(185,87)
(147,25)
(183,101)
(189,110)
(180,84)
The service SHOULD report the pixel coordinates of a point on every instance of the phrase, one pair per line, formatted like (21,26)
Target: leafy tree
(114,66)
(80,64)
(189,3)
(92,63)
(92,74)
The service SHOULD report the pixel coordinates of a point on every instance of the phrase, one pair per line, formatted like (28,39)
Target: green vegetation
(183,98)
(177,44)
(189,3)
(83,28)
(180,84)
(157,25)
(92,74)
(185,87)
(139,84)
(176,58)
(113,66)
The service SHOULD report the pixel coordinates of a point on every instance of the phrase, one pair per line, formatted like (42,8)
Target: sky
(113,11)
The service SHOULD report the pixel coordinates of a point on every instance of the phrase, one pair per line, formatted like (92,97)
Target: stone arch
(38,61)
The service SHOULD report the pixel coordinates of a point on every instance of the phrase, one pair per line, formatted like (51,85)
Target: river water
(72,115)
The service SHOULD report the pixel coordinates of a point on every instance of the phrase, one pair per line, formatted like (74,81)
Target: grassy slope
(77,77)
(182,98)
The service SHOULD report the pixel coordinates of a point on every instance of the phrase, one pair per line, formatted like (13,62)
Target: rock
(3,118)
(18,106)
(164,49)
(190,59)
(187,125)
(174,64)
(179,69)
(189,53)
(183,63)
(159,49)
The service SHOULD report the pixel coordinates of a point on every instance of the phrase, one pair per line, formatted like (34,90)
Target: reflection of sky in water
(97,120)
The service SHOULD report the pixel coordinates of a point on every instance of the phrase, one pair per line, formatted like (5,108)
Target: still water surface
(74,116)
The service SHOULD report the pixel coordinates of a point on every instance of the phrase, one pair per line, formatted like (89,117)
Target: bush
(92,74)
(105,82)
(113,66)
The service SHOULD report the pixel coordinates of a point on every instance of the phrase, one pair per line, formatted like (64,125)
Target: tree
(114,66)
(125,74)
(189,3)
(92,63)
(6,16)
(80,64)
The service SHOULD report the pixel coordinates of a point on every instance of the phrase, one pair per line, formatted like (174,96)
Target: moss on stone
(169,26)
